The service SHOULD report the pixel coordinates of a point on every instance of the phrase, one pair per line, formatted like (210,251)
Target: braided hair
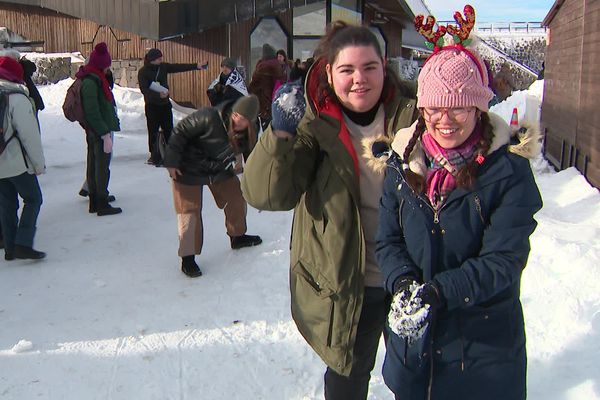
(468,174)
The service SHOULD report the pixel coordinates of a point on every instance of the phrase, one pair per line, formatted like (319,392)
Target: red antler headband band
(435,39)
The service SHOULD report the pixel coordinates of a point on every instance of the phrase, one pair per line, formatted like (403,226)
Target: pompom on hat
(454,76)
(100,57)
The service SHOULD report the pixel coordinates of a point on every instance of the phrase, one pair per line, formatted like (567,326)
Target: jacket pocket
(312,304)
(489,331)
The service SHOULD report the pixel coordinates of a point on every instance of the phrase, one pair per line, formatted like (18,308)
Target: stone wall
(51,69)
(520,78)
(526,50)
(125,72)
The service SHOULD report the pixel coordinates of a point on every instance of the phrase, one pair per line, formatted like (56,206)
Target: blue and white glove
(288,107)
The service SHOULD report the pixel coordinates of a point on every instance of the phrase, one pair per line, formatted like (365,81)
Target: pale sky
(493,10)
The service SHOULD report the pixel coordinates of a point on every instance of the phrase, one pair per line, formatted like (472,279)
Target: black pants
(98,172)
(157,117)
(374,312)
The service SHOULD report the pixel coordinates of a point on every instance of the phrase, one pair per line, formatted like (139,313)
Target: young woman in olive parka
(319,168)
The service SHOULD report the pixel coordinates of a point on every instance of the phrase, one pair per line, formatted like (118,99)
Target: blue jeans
(14,229)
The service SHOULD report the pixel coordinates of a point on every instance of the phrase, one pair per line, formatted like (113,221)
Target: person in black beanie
(152,80)
(28,70)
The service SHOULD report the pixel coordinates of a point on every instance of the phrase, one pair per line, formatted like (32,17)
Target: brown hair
(468,174)
(242,142)
(340,35)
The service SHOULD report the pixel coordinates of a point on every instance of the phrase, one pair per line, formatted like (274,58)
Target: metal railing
(504,27)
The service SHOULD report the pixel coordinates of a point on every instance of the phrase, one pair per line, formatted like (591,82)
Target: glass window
(346,10)
(304,48)
(268,31)
(380,39)
(310,19)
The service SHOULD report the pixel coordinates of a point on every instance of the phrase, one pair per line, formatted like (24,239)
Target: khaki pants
(188,206)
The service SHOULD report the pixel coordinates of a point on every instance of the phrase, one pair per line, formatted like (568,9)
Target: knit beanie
(11,70)
(229,63)
(153,54)
(100,57)
(247,107)
(268,52)
(454,76)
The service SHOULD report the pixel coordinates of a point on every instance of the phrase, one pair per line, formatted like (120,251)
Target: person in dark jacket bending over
(101,121)
(199,153)
(456,214)
(152,79)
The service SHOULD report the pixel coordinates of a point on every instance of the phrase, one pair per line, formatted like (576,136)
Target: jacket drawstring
(462,344)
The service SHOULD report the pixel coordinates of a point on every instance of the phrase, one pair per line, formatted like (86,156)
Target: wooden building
(198,31)
(570,113)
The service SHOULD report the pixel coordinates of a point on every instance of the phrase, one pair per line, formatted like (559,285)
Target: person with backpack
(152,79)
(21,160)
(100,121)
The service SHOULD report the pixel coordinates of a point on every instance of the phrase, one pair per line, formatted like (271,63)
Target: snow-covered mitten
(108,143)
(409,316)
(288,106)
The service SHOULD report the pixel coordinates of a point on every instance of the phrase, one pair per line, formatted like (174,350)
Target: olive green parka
(316,173)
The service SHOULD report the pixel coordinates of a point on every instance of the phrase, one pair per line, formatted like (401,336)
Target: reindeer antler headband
(460,34)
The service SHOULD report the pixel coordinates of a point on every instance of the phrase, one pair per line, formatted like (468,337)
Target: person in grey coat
(20,163)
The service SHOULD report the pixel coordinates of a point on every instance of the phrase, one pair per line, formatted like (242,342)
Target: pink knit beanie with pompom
(454,77)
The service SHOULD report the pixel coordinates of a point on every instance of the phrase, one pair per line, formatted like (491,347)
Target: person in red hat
(101,121)
(21,160)
(153,82)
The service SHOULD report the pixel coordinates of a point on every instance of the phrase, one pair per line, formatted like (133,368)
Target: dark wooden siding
(62,33)
(572,82)
(392,31)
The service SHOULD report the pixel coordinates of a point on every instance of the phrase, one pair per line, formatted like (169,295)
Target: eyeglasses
(459,115)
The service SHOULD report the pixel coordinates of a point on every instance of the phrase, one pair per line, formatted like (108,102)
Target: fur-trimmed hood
(528,145)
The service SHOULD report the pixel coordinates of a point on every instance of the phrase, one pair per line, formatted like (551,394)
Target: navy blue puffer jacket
(474,249)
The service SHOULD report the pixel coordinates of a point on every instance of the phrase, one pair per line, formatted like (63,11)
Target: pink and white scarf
(445,165)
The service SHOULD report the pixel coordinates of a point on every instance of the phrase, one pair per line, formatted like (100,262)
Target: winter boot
(108,210)
(189,267)
(27,253)
(85,193)
(238,242)
(1,242)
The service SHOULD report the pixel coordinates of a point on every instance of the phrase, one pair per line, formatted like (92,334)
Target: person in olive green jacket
(101,121)
(317,161)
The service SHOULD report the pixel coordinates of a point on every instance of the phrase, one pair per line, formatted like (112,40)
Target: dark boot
(27,253)
(1,242)
(238,242)
(189,267)
(8,255)
(85,193)
(109,210)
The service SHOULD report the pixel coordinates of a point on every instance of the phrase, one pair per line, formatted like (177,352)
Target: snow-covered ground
(108,314)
